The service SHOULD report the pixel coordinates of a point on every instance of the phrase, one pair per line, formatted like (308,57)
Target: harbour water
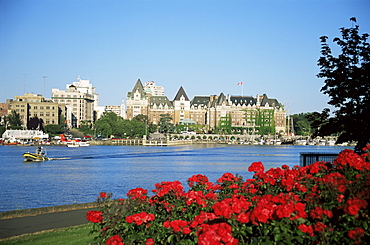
(78,175)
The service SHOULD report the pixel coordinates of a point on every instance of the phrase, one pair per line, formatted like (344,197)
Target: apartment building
(4,109)
(79,104)
(32,105)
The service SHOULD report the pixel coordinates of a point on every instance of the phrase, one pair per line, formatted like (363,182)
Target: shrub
(319,203)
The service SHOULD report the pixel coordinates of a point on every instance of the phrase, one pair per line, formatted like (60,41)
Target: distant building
(113,108)
(80,99)
(137,101)
(4,109)
(245,114)
(32,105)
(153,89)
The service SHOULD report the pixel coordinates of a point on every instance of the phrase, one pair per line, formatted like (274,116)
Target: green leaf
(170,239)
(277,237)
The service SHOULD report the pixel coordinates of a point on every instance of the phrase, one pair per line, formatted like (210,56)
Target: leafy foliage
(347,83)
(54,129)
(109,124)
(14,119)
(307,205)
(35,123)
(301,124)
(165,125)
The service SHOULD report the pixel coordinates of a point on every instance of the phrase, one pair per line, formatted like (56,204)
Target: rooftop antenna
(43,79)
(24,83)
(241,83)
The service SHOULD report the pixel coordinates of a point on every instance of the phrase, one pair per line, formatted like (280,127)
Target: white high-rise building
(80,99)
(153,89)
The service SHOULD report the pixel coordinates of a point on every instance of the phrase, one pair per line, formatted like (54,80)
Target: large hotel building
(242,112)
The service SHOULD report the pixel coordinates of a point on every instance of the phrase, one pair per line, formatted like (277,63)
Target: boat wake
(59,158)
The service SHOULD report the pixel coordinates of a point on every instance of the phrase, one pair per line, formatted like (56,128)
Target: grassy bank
(64,236)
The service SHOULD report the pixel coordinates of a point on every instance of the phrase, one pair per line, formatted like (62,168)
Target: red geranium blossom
(138,193)
(103,194)
(140,218)
(149,241)
(256,167)
(114,240)
(356,233)
(94,216)
(354,205)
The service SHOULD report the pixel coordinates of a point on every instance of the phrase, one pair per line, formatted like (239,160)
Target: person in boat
(40,150)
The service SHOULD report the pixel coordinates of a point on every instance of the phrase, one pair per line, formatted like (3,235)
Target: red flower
(140,218)
(178,226)
(201,218)
(306,229)
(350,158)
(94,216)
(256,167)
(167,187)
(103,194)
(354,205)
(114,240)
(149,241)
(219,233)
(320,213)
(198,179)
(138,193)
(356,233)
(318,227)
(227,177)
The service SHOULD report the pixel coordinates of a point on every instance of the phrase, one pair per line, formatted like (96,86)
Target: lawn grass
(63,236)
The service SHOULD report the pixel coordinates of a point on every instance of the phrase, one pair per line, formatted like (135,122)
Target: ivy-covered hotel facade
(228,114)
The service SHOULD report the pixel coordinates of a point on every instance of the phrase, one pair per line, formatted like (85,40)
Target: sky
(205,46)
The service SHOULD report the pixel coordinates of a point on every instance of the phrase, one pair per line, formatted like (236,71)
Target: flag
(241,83)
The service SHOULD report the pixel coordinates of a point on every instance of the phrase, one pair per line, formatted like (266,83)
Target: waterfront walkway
(31,223)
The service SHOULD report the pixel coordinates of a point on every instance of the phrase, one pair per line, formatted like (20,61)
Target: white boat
(84,143)
(73,144)
(277,142)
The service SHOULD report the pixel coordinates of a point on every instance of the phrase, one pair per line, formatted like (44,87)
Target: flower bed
(316,204)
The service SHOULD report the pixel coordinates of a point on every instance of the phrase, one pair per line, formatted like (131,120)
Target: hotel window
(35,107)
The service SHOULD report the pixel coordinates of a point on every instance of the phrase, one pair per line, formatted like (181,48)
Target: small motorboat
(39,156)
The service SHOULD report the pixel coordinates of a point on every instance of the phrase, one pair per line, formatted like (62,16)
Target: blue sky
(207,47)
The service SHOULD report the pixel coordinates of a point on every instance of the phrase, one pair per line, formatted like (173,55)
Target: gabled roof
(271,102)
(160,100)
(200,101)
(138,86)
(218,100)
(180,93)
(240,100)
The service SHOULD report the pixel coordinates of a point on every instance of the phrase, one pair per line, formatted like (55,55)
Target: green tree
(86,127)
(141,118)
(54,129)
(165,125)
(15,121)
(347,83)
(301,124)
(108,124)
